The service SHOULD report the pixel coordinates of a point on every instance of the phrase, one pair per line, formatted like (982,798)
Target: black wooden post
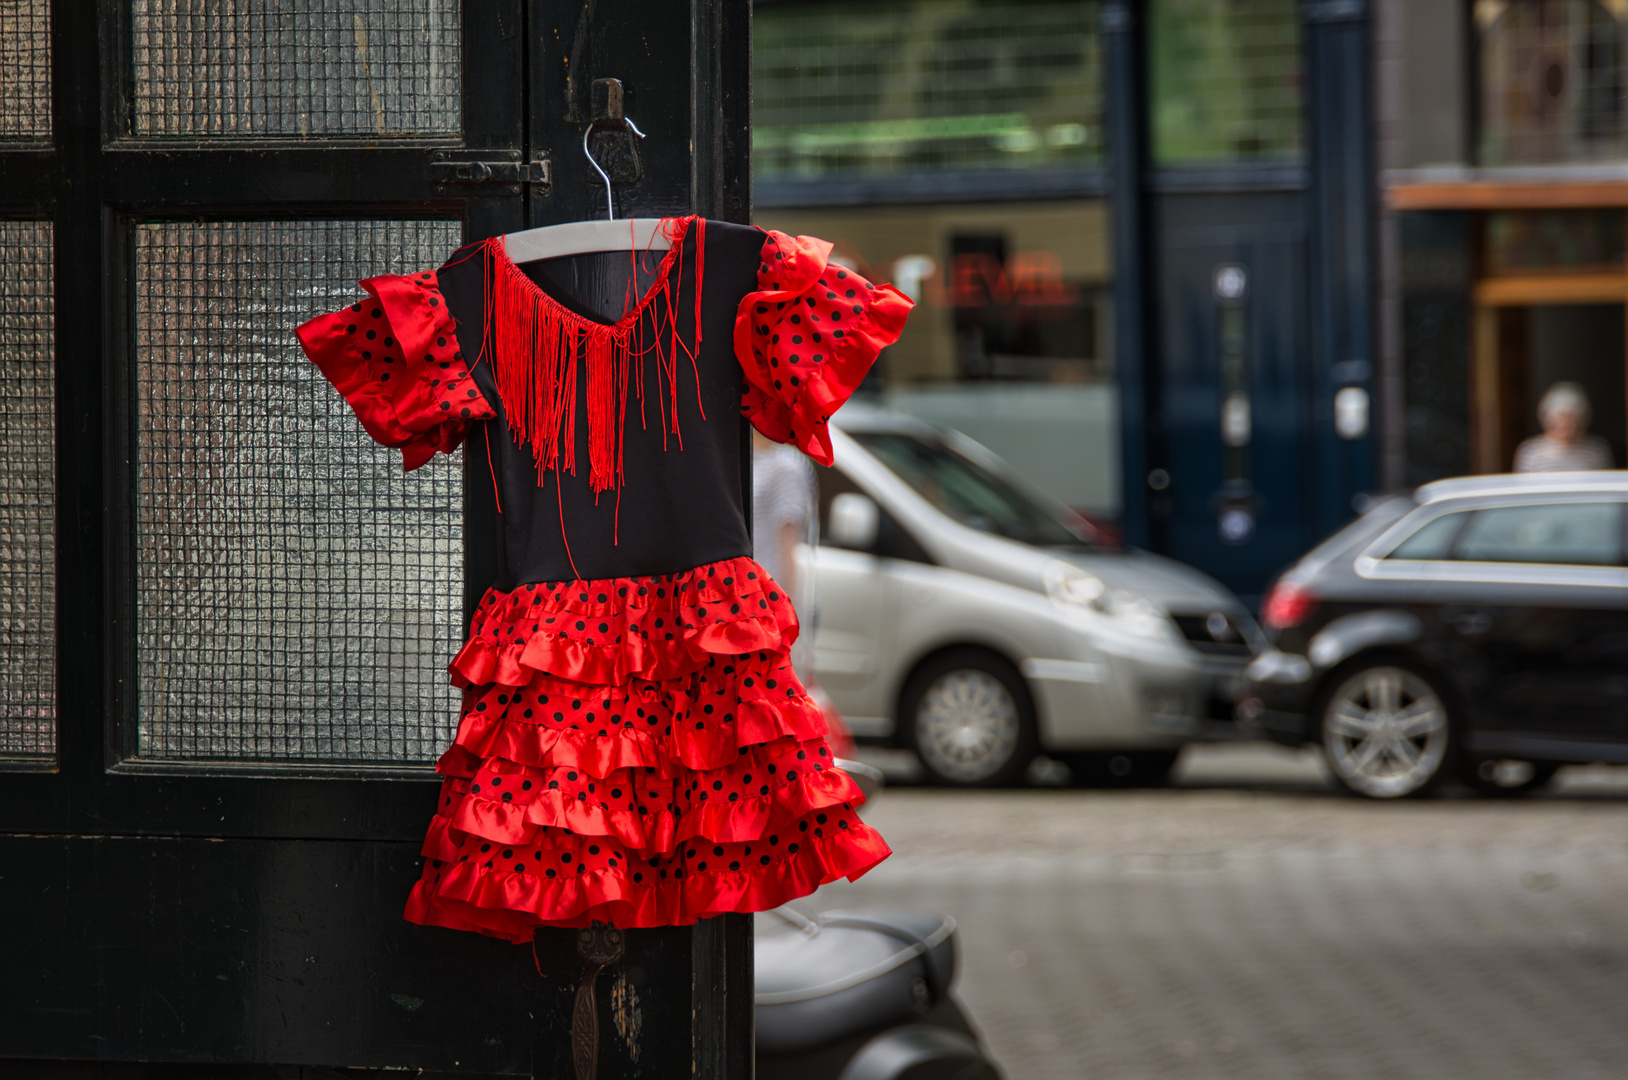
(1124,26)
(678,1002)
(1342,238)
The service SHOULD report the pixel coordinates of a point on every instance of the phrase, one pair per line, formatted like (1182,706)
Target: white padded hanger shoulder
(585,238)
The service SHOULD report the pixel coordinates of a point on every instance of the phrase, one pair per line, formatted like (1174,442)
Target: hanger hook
(610,206)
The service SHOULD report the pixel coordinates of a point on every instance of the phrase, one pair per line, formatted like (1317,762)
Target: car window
(893,540)
(967,492)
(1588,534)
(1432,540)
(833,482)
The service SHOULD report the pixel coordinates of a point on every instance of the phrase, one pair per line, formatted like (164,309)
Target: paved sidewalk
(1259,926)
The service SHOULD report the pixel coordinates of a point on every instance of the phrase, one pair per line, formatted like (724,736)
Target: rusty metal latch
(598,945)
(493,167)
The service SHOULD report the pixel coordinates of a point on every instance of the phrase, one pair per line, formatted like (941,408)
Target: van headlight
(1072,588)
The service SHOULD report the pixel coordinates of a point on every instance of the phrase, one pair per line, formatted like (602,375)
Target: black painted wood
(244,922)
(686,76)
(1124,27)
(1341,214)
(250,952)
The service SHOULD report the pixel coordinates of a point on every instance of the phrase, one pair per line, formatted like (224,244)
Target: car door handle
(1473,623)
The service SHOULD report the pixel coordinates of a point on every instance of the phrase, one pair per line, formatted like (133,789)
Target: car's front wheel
(1386,731)
(968,716)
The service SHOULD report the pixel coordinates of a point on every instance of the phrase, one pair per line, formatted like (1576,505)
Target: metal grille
(1552,80)
(1226,81)
(28,652)
(298,596)
(25,69)
(862,88)
(296,68)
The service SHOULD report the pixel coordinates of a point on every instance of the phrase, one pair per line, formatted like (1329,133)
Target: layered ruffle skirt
(635,751)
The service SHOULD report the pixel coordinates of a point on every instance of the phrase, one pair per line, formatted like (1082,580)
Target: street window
(1226,81)
(856,89)
(1525,241)
(919,102)
(1552,80)
(1588,534)
(1011,340)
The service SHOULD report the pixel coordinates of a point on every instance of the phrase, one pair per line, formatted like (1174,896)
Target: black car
(1477,627)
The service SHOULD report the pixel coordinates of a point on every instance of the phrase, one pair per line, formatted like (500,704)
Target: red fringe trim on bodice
(533,342)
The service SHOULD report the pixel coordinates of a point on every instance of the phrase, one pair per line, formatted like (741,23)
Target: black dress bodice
(681,503)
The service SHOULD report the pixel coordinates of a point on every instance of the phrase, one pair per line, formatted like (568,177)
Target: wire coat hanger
(588,237)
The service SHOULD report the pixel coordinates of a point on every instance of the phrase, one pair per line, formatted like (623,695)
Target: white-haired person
(1565,445)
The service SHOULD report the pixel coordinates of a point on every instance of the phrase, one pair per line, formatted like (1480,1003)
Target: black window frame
(95,182)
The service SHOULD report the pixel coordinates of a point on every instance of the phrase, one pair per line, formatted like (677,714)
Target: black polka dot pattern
(701,784)
(396,359)
(813,329)
(612,630)
(634,750)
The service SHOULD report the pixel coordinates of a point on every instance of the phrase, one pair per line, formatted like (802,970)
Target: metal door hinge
(494,167)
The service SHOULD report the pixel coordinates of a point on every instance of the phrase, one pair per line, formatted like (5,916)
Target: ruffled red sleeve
(395,358)
(807,337)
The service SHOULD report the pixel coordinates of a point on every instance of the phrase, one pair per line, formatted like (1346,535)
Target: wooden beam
(1552,289)
(1498,195)
(1484,426)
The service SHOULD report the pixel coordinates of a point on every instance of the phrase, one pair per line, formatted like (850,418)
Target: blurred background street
(1251,923)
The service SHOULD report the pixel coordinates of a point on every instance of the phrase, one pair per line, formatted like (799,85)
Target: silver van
(974,620)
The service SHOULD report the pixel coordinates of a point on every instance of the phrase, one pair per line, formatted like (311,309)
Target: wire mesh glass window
(297,595)
(1552,80)
(1226,81)
(27,493)
(864,88)
(295,68)
(25,69)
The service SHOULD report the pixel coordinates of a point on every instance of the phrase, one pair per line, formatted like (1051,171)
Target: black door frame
(88,818)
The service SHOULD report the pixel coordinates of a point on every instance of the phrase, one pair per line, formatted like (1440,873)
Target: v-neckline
(680,233)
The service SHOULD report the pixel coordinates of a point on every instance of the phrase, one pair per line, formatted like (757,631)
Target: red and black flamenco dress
(634,747)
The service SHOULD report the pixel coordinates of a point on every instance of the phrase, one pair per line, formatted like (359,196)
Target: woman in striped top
(1565,445)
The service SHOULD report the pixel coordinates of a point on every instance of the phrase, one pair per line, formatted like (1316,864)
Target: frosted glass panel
(27,493)
(298,596)
(25,69)
(296,68)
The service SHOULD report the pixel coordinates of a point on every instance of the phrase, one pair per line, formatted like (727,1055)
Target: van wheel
(1385,731)
(1121,768)
(968,716)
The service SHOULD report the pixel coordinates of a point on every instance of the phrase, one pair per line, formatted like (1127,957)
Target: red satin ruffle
(622,758)
(806,338)
(511,903)
(610,631)
(395,358)
(646,738)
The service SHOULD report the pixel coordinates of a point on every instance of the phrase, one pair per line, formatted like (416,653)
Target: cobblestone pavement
(1250,923)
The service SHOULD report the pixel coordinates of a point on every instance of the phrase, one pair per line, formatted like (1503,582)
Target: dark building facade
(1503,149)
(1140,235)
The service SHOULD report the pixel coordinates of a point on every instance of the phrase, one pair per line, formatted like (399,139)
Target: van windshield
(970,493)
